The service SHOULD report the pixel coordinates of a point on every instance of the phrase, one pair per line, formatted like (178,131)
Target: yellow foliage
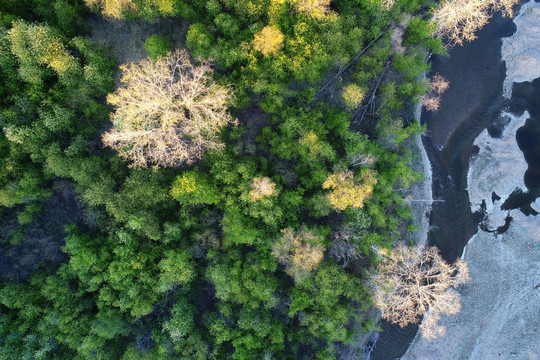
(261,187)
(276,8)
(37,44)
(312,143)
(184,185)
(348,190)
(114,8)
(268,41)
(165,7)
(300,252)
(317,9)
(353,96)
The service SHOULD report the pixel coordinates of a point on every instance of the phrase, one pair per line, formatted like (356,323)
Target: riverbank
(421,193)
(501,303)
(476,75)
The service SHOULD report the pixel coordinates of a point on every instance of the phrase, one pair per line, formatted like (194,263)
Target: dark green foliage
(410,65)
(420,32)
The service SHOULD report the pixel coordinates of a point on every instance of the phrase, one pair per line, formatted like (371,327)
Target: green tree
(157,46)
(38,48)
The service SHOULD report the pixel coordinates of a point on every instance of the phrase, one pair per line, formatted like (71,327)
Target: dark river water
(526,96)
(471,104)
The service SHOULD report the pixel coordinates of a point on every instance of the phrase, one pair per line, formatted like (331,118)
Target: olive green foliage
(157,46)
(198,263)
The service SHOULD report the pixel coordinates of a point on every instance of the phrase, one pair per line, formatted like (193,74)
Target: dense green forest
(257,246)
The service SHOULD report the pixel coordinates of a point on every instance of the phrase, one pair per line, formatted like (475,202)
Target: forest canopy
(216,191)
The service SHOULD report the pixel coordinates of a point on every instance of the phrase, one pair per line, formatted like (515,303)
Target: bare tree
(388,4)
(410,281)
(458,20)
(438,85)
(344,249)
(431,102)
(168,112)
(362,160)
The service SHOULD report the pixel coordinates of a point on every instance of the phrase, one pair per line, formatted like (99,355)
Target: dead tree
(169,112)
(410,281)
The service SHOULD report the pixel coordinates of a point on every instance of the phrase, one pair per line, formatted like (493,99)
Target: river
(476,74)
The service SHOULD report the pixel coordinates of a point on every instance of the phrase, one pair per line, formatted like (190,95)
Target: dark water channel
(525,96)
(471,104)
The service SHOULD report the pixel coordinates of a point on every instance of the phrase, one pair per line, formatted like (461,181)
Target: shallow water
(472,104)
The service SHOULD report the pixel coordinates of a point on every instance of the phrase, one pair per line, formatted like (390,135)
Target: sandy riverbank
(501,303)
(421,192)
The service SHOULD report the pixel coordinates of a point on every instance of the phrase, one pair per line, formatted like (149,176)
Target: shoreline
(500,305)
(420,210)
(424,186)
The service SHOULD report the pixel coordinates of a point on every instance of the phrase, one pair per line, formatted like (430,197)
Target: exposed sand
(421,192)
(500,316)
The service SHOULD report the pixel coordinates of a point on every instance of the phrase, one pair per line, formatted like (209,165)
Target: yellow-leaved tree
(169,111)
(112,8)
(269,40)
(38,46)
(348,189)
(353,95)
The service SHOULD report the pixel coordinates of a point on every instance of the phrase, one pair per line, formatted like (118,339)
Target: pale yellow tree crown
(261,187)
(348,190)
(269,40)
(168,112)
(317,9)
(353,96)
